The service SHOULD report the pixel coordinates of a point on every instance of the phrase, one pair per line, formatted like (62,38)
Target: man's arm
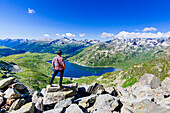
(53,65)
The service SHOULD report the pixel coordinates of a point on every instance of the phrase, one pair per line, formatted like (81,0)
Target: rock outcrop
(148,95)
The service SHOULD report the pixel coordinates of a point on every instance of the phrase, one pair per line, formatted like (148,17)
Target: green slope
(5,51)
(36,72)
(127,77)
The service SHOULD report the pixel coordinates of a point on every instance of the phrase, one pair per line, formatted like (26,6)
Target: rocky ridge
(149,95)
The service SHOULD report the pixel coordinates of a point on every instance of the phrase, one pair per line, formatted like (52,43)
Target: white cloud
(137,30)
(124,34)
(70,35)
(82,35)
(63,35)
(58,35)
(149,29)
(46,35)
(106,35)
(31,11)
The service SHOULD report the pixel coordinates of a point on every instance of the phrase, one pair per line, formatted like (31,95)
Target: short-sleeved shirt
(58,62)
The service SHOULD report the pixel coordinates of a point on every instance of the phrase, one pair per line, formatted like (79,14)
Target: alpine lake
(76,71)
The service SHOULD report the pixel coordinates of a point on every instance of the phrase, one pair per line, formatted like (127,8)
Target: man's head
(59,52)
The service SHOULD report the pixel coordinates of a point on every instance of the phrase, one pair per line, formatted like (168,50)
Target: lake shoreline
(92,66)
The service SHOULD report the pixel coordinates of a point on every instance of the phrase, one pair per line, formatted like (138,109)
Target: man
(59,66)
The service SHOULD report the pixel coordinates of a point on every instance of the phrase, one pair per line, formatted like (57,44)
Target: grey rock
(35,96)
(94,88)
(27,108)
(126,109)
(19,86)
(87,101)
(64,103)
(43,91)
(166,84)
(149,79)
(17,104)
(6,82)
(56,110)
(74,108)
(146,106)
(54,97)
(106,102)
(12,93)
(1,100)
(122,91)
(39,104)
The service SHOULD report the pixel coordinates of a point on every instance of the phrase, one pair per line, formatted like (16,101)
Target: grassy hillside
(159,67)
(36,72)
(5,51)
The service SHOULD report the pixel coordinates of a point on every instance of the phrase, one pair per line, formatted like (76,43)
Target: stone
(54,97)
(1,100)
(20,87)
(27,108)
(12,93)
(35,96)
(6,82)
(126,109)
(88,101)
(149,79)
(94,88)
(166,84)
(43,91)
(106,102)
(39,104)
(122,91)
(163,102)
(64,103)
(74,108)
(144,106)
(17,104)
(56,110)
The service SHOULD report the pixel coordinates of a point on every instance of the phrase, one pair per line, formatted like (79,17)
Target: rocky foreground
(149,95)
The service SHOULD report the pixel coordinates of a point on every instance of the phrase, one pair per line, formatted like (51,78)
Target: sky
(84,19)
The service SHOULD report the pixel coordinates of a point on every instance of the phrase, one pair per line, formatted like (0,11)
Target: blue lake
(77,71)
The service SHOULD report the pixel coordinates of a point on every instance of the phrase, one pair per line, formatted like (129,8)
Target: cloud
(31,11)
(58,35)
(106,35)
(46,35)
(70,35)
(63,35)
(124,34)
(82,35)
(149,29)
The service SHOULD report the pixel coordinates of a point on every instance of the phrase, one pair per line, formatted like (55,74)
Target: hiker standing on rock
(59,66)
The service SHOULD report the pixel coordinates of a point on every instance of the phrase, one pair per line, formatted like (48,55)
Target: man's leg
(61,77)
(54,74)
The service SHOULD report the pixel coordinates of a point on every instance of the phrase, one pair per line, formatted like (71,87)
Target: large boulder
(93,89)
(64,103)
(6,82)
(12,93)
(17,104)
(56,110)
(74,108)
(106,103)
(149,79)
(166,84)
(20,87)
(146,106)
(54,97)
(27,108)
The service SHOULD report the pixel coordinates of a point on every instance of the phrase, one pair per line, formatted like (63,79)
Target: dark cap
(59,52)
